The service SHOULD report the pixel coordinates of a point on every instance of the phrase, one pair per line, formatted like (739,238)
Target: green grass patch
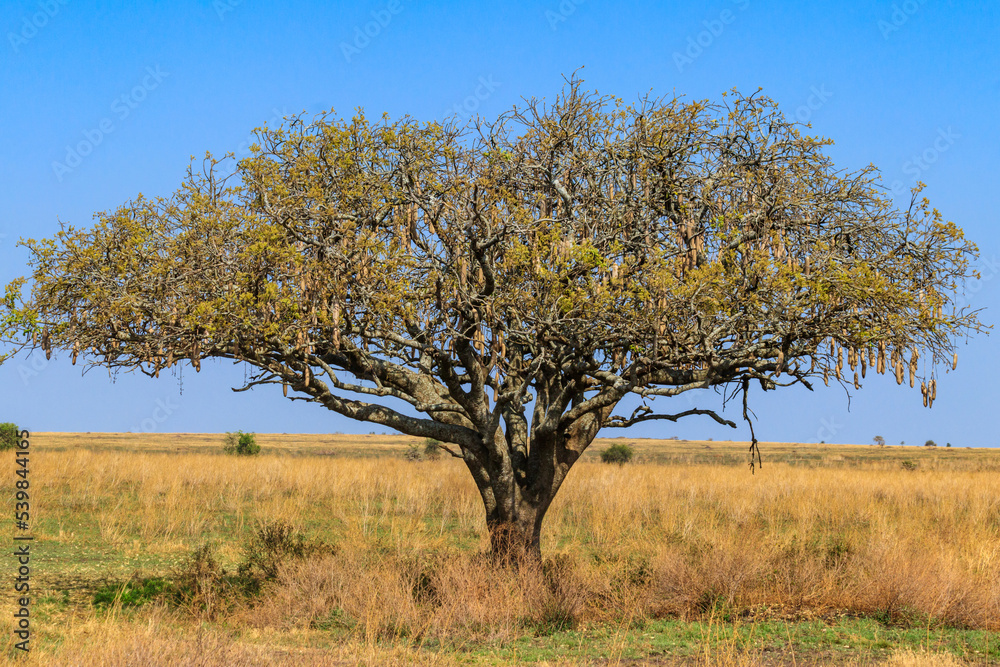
(841,639)
(132,593)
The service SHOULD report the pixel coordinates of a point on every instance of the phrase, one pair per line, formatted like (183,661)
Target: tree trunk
(515,539)
(517,492)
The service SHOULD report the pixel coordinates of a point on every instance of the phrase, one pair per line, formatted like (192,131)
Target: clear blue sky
(104,100)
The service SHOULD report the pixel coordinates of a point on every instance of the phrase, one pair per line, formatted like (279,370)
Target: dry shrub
(468,597)
(896,582)
(891,580)
(690,587)
(735,573)
(460,596)
(271,545)
(200,584)
(354,588)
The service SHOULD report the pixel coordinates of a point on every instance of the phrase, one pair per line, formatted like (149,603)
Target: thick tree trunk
(517,490)
(515,539)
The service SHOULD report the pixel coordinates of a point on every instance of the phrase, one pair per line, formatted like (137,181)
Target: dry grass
(157,641)
(623,544)
(667,451)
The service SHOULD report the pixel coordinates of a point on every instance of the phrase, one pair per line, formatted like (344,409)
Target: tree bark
(516,539)
(517,494)
(517,486)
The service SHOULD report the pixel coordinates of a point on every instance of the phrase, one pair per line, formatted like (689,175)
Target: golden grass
(623,544)
(669,451)
(158,641)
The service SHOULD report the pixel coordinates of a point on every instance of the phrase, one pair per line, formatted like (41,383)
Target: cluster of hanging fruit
(882,359)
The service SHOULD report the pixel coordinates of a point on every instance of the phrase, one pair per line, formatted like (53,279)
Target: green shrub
(930,443)
(270,545)
(132,593)
(241,444)
(201,583)
(617,453)
(9,435)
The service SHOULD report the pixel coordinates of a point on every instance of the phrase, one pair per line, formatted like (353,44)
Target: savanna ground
(330,550)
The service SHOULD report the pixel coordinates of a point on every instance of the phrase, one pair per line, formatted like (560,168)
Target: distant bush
(879,440)
(930,443)
(909,465)
(432,449)
(241,444)
(617,453)
(9,434)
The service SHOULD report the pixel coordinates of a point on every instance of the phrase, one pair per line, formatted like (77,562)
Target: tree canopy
(502,286)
